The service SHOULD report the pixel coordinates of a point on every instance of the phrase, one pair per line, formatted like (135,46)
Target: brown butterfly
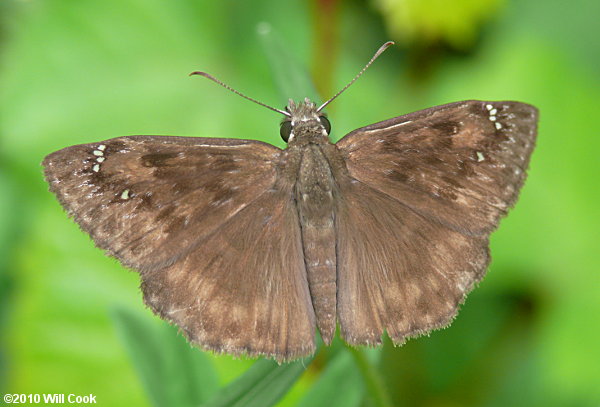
(247,247)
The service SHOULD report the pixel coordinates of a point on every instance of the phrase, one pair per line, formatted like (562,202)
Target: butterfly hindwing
(397,270)
(461,164)
(243,290)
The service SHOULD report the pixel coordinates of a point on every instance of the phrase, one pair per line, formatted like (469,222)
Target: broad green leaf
(262,385)
(291,77)
(172,372)
(340,385)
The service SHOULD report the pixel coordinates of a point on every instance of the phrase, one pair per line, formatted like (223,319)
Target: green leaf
(339,385)
(172,372)
(263,385)
(291,77)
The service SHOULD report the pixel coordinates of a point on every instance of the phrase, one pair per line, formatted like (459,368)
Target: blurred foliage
(72,320)
(425,22)
(170,371)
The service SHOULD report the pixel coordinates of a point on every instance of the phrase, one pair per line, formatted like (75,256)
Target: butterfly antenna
(212,78)
(379,52)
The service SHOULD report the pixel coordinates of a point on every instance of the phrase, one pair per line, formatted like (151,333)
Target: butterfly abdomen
(315,203)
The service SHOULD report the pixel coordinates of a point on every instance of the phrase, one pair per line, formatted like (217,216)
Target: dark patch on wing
(465,168)
(451,181)
(398,176)
(224,163)
(447,128)
(176,224)
(432,159)
(158,159)
(162,215)
(443,134)
(145,201)
(221,191)
(114,146)
(389,145)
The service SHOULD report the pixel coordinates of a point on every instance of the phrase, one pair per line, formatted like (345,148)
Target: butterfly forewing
(461,164)
(149,200)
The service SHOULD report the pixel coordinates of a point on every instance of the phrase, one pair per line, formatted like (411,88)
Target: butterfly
(249,248)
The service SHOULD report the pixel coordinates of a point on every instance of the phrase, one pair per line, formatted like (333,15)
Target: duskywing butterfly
(247,247)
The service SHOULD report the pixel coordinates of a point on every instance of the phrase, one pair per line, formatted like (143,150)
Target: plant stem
(325,50)
(373,380)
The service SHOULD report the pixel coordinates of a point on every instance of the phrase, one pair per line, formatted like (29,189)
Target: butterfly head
(305,123)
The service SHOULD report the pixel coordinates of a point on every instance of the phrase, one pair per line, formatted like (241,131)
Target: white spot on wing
(98,153)
(480,156)
(125,194)
(96,167)
(493,118)
(101,147)
(100,159)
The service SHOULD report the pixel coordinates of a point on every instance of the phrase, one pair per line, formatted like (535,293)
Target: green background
(71,72)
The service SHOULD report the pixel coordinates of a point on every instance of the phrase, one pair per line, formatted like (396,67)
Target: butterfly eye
(285,130)
(325,122)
